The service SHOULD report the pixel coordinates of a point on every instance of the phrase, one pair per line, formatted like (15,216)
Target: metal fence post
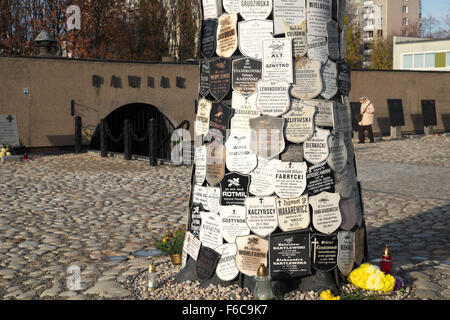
(103,139)
(127,139)
(152,148)
(77,134)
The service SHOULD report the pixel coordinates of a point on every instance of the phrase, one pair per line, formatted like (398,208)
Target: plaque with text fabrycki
(219,120)
(272,97)
(210,235)
(252,251)
(267,138)
(326,212)
(299,122)
(324,111)
(299,40)
(315,150)
(219,77)
(231,6)
(277,60)
(239,156)
(343,77)
(255,9)
(319,178)
(200,164)
(226,267)
(204,77)
(293,213)
(291,12)
(346,255)
(234,188)
(338,152)
(317,48)
(195,219)
(206,263)
(307,79)
(329,79)
(429,113)
(263,177)
(246,73)
(334,50)
(212,9)
(8,130)
(251,35)
(324,249)
(396,117)
(261,215)
(289,254)
(208,40)
(227,39)
(233,223)
(290,179)
(244,109)
(318,15)
(215,162)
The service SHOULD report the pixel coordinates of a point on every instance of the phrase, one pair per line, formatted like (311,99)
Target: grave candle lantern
(152,277)
(386,261)
(263,290)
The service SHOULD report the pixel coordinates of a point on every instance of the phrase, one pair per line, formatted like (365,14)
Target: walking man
(367,111)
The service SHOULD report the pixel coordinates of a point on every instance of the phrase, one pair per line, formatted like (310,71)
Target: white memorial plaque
(299,40)
(263,177)
(8,130)
(227,39)
(200,164)
(326,214)
(299,122)
(273,97)
(251,35)
(215,162)
(338,153)
(348,212)
(317,48)
(329,80)
(233,223)
(231,6)
(212,9)
(239,156)
(291,12)
(210,235)
(201,123)
(307,79)
(293,213)
(244,110)
(318,15)
(334,50)
(346,253)
(277,60)
(252,251)
(290,179)
(261,215)
(213,199)
(200,195)
(315,150)
(191,245)
(255,9)
(226,269)
(324,111)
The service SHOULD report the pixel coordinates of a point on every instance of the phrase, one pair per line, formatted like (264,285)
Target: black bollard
(127,139)
(77,134)
(152,148)
(103,139)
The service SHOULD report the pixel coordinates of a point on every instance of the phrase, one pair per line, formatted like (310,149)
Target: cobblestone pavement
(60,213)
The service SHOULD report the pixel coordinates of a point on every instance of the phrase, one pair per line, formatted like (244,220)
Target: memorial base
(428,130)
(395,132)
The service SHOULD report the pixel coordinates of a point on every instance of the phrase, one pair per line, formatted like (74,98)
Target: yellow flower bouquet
(370,277)
(172,242)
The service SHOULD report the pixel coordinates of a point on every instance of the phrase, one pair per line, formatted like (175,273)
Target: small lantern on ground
(263,290)
(152,277)
(386,261)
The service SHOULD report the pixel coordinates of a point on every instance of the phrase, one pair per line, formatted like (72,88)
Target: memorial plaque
(234,189)
(292,153)
(244,110)
(255,9)
(317,48)
(290,179)
(208,40)
(338,153)
(251,35)
(219,77)
(429,113)
(343,44)
(191,245)
(319,178)
(231,6)
(359,245)
(277,60)
(293,213)
(261,215)
(239,156)
(341,13)
(226,267)
(212,9)
(299,40)
(219,120)
(326,213)
(204,77)
(324,251)
(307,78)
(267,139)
(206,263)
(272,97)
(246,73)
(215,162)
(315,150)
(395,108)
(345,255)
(324,111)
(334,50)
(356,196)
(290,12)
(299,123)
(233,223)
(200,195)
(344,83)
(329,80)
(8,130)
(210,235)
(252,251)
(201,123)
(200,164)
(213,199)
(263,177)
(318,15)
(345,182)
(289,255)
(227,39)
(195,219)
(348,212)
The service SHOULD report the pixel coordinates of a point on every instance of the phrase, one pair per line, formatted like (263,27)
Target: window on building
(439,60)
(380,33)
(447,59)
(407,61)
(405,9)
(405,21)
(379,20)
(429,60)
(418,60)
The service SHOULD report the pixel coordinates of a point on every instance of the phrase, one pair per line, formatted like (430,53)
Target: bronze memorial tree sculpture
(274,179)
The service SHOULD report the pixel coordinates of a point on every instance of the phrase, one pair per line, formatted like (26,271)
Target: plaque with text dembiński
(326,213)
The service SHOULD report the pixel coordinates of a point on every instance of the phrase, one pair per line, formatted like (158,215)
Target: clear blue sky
(435,8)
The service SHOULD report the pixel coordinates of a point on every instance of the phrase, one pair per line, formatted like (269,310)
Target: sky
(435,8)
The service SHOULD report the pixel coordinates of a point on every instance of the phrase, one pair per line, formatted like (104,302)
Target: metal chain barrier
(109,134)
(135,137)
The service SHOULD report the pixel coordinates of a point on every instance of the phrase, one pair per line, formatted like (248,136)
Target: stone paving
(75,211)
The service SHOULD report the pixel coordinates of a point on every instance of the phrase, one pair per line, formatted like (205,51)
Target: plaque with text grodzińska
(324,251)
(252,251)
(208,40)
(255,9)
(206,263)
(246,73)
(289,254)
(219,77)
(234,187)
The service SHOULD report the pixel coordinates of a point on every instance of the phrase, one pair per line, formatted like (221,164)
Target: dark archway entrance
(139,114)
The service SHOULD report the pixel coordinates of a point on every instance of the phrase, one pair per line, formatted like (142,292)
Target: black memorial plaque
(234,189)
(319,178)
(207,260)
(204,77)
(355,108)
(429,113)
(208,44)
(246,73)
(219,119)
(219,77)
(344,71)
(396,117)
(289,254)
(324,251)
(195,219)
